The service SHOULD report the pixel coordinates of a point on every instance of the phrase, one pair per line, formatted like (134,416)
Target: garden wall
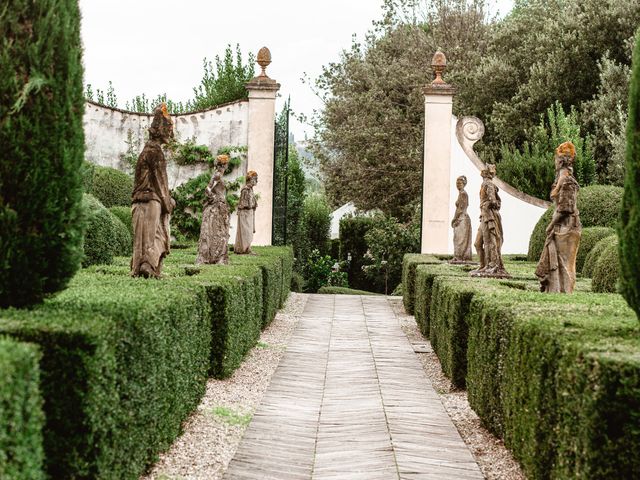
(110,132)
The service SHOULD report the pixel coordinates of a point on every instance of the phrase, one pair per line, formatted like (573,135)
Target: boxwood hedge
(594,255)
(21,417)
(590,236)
(409,264)
(606,270)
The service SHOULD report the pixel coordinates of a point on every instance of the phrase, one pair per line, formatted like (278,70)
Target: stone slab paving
(350,400)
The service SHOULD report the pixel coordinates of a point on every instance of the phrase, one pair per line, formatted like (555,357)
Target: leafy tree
(629,229)
(41,148)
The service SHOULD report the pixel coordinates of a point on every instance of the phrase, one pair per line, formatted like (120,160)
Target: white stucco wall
(518,217)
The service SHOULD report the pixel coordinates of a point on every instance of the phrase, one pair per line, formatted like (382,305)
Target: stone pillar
(261,132)
(438,103)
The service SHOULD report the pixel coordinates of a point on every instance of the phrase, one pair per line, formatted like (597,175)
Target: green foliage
(599,206)
(590,236)
(629,228)
(533,169)
(318,272)
(556,376)
(343,291)
(99,241)
(315,226)
(122,240)
(125,216)
(409,263)
(112,187)
(125,360)
(297,282)
(232,417)
(606,270)
(594,255)
(353,229)
(21,418)
(41,148)
(388,241)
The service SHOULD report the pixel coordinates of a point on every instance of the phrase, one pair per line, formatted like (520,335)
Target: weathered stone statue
(151,201)
(461,225)
(246,215)
(557,266)
(214,231)
(489,238)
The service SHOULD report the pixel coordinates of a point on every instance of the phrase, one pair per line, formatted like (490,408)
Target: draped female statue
(214,231)
(461,225)
(557,266)
(246,215)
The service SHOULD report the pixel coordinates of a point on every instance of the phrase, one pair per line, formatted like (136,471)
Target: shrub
(343,291)
(409,264)
(590,236)
(607,268)
(125,216)
(599,206)
(297,282)
(112,187)
(99,239)
(41,149)
(315,227)
(21,417)
(187,215)
(319,272)
(122,242)
(629,229)
(353,229)
(593,256)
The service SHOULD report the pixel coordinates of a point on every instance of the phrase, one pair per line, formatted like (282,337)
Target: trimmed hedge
(343,291)
(590,236)
(595,253)
(99,238)
(122,242)
(112,187)
(599,206)
(409,264)
(125,360)
(125,215)
(606,270)
(352,241)
(557,376)
(21,417)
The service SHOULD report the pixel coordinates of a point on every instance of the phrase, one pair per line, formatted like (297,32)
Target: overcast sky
(154,47)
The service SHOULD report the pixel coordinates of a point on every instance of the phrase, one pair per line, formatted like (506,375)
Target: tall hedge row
(556,376)
(629,230)
(41,148)
(125,360)
(352,242)
(21,418)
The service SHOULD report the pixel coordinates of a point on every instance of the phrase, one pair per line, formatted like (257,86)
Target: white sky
(154,47)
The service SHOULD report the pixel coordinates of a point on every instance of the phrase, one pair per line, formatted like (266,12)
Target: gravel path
(495,461)
(213,432)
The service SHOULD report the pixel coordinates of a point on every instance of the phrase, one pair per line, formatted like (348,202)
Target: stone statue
(557,266)
(489,238)
(151,201)
(246,215)
(214,232)
(461,225)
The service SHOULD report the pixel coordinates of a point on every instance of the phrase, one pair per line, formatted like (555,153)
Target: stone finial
(264,59)
(439,65)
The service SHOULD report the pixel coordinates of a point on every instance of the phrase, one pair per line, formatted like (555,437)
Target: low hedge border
(21,417)
(409,264)
(126,360)
(556,376)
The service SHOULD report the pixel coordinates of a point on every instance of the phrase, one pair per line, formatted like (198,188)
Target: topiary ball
(599,206)
(112,187)
(590,236)
(122,244)
(98,240)
(125,216)
(607,268)
(593,256)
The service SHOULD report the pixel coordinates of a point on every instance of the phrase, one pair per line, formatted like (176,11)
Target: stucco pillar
(262,109)
(438,104)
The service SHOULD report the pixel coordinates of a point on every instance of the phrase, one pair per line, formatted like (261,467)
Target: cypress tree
(629,229)
(41,148)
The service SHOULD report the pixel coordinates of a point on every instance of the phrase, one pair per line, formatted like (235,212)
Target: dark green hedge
(112,187)
(122,242)
(556,376)
(41,148)
(590,236)
(594,255)
(125,216)
(352,241)
(21,417)
(606,270)
(599,206)
(326,290)
(99,239)
(409,264)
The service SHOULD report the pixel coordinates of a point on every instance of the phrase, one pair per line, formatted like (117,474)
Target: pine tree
(629,229)
(41,148)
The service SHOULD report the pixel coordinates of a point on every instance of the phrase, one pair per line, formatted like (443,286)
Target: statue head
(222,161)
(565,155)
(489,171)
(252,177)
(461,182)
(161,128)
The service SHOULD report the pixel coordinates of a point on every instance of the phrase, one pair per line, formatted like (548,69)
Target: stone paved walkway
(350,400)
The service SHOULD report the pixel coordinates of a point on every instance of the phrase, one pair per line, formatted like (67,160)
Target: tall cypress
(41,148)
(629,229)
